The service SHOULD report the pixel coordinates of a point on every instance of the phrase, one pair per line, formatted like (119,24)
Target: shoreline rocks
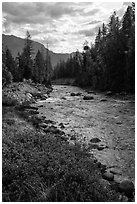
(108,176)
(95,140)
(127,187)
(86,97)
(76,94)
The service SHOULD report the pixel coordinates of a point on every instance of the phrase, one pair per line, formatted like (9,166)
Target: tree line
(24,66)
(109,63)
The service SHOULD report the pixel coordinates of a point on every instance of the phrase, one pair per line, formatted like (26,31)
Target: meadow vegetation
(42,167)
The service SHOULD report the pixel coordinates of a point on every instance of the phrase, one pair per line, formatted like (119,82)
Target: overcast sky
(65,25)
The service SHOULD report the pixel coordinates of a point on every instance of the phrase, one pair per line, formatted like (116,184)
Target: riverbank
(64,81)
(39,164)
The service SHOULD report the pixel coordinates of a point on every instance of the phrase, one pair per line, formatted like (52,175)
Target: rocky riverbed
(106,125)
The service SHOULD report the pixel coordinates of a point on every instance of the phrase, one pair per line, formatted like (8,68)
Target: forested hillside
(38,69)
(16,44)
(109,63)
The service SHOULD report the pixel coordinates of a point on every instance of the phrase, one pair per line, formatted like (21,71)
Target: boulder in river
(61,125)
(88,97)
(108,176)
(76,94)
(72,94)
(103,100)
(63,98)
(40,106)
(99,148)
(127,187)
(95,140)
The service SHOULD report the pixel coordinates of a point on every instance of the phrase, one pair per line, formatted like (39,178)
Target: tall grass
(42,167)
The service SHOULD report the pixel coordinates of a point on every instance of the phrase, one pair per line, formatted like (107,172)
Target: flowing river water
(112,121)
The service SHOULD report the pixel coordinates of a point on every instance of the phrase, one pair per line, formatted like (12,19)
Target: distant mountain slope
(16,44)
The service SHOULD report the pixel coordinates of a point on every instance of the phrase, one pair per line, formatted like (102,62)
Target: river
(112,121)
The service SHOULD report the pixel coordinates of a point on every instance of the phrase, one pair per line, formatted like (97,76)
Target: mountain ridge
(16,44)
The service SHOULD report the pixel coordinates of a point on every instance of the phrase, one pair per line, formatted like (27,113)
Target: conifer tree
(48,70)
(39,68)
(26,63)
(10,64)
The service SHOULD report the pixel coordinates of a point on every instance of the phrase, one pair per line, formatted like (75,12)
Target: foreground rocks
(108,176)
(24,93)
(127,187)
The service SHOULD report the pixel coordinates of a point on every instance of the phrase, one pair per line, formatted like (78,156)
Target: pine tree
(10,64)
(98,38)
(6,74)
(104,30)
(48,71)
(128,43)
(26,63)
(39,67)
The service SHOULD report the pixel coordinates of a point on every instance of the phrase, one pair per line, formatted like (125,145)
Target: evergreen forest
(24,66)
(109,63)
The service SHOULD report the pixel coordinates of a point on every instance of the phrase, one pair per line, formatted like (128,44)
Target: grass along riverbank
(42,166)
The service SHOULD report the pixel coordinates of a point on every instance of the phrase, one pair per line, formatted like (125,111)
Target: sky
(65,26)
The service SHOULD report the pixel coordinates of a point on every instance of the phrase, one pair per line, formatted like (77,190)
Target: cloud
(92,12)
(23,13)
(52,41)
(94,22)
(55,10)
(127,3)
(63,40)
(66,25)
(38,12)
(88,32)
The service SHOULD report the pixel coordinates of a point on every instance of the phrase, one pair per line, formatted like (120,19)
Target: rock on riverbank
(24,93)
